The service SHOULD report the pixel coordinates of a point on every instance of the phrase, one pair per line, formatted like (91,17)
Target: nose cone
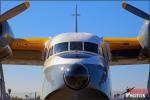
(76,77)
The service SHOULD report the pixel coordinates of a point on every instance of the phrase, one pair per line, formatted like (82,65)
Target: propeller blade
(136,11)
(14,11)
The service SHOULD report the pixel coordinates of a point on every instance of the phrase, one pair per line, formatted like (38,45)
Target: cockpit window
(76,46)
(61,47)
(91,47)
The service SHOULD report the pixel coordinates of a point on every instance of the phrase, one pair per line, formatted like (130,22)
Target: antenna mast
(76,18)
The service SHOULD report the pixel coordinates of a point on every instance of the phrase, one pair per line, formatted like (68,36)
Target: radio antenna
(76,19)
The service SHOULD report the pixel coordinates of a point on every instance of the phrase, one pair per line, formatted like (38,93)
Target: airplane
(76,65)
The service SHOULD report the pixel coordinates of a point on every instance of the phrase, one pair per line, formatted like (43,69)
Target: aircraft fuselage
(75,69)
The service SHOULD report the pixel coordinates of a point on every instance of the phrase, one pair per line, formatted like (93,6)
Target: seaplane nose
(76,76)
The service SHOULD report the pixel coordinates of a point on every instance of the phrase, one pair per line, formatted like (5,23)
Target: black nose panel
(76,76)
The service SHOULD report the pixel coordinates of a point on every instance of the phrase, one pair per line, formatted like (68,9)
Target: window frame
(69,47)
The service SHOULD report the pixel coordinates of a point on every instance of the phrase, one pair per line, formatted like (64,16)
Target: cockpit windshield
(75,46)
(61,47)
(91,47)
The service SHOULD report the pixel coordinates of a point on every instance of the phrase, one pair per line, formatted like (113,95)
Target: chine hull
(87,94)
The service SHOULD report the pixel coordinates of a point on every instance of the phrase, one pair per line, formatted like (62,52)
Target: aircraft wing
(27,51)
(124,51)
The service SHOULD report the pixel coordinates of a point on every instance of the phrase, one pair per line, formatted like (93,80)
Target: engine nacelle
(144,38)
(5,31)
(5,38)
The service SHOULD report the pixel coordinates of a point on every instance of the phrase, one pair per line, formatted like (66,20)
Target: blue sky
(47,19)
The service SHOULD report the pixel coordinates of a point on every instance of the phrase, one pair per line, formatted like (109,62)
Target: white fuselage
(74,68)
